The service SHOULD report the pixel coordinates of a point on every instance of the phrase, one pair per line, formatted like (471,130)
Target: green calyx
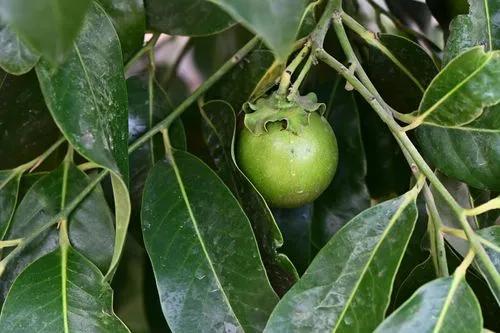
(274,108)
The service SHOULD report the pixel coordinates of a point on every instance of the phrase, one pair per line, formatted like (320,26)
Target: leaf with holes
(347,286)
(204,255)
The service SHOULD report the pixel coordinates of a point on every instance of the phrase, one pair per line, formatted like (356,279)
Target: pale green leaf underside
(446,305)
(60,292)
(347,287)
(491,237)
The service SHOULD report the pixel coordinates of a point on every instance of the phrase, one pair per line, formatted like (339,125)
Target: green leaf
(462,90)
(445,10)
(402,77)
(219,130)
(348,285)
(90,225)
(208,270)
(443,305)
(470,153)
(492,235)
(347,195)
(60,292)
(492,247)
(480,27)
(187,18)
(48,26)
(26,127)
(15,56)
(129,21)
(238,85)
(9,188)
(277,21)
(295,225)
(88,99)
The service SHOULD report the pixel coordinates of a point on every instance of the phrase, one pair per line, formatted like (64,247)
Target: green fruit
(290,169)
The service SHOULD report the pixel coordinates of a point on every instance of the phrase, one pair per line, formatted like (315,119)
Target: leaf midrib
(409,198)
(198,234)
(443,99)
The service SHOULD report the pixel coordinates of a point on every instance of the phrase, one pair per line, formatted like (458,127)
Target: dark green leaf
(129,21)
(49,26)
(277,22)
(443,305)
(492,246)
(238,85)
(445,10)
(26,127)
(60,292)
(9,188)
(295,225)
(88,99)
(140,121)
(470,153)
(347,286)
(188,18)
(388,174)
(15,56)
(87,95)
(492,235)
(462,90)
(90,225)
(402,80)
(208,270)
(411,12)
(347,195)
(480,27)
(219,132)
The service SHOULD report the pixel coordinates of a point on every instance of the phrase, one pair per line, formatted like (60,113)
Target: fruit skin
(289,169)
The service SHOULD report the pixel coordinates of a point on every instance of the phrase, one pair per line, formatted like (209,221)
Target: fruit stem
(294,90)
(286,77)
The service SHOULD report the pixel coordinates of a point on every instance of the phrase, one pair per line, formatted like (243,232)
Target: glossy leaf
(9,188)
(219,132)
(470,153)
(90,225)
(347,287)
(187,18)
(479,27)
(207,266)
(443,305)
(88,99)
(60,292)
(48,26)
(15,56)
(411,12)
(462,90)
(26,127)
(277,22)
(445,10)
(129,21)
(402,80)
(348,194)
